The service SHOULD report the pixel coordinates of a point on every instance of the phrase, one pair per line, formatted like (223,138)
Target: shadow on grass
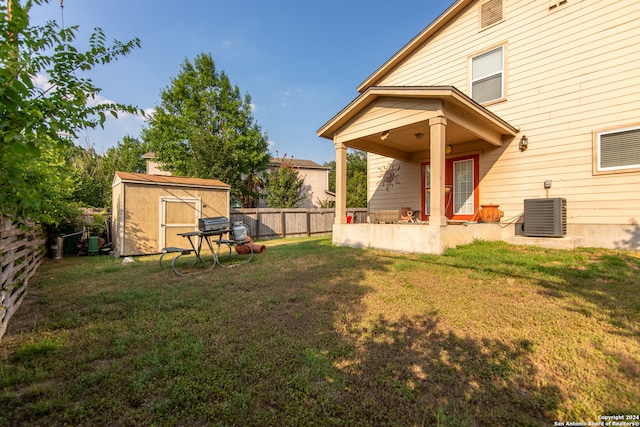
(411,372)
(589,277)
(289,339)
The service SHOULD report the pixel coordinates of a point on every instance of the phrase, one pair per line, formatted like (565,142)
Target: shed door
(178,215)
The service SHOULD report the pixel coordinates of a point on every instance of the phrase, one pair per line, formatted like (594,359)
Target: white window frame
(598,168)
(468,202)
(501,72)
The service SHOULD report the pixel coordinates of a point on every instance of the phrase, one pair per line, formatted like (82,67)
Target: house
(498,102)
(148,211)
(316,181)
(153,168)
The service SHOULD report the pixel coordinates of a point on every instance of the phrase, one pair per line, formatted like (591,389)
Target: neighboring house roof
(149,155)
(418,40)
(300,163)
(177,181)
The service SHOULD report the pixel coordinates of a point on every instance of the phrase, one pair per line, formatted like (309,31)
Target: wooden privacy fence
(21,252)
(269,223)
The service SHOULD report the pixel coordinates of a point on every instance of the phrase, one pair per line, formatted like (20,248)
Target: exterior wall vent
(490,13)
(545,217)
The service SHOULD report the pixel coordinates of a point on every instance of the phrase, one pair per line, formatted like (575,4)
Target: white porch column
(437,129)
(341,183)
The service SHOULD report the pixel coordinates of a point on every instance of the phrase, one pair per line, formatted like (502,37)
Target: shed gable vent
(490,13)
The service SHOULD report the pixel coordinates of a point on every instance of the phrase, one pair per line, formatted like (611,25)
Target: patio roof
(394,121)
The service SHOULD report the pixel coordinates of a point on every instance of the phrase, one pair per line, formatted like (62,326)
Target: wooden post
(283,224)
(257,237)
(308,223)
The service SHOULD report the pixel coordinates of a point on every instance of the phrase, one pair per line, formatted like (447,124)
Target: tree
(93,172)
(204,128)
(284,186)
(36,121)
(356,178)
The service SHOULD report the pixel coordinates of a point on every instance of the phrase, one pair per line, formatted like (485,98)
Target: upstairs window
(618,150)
(487,76)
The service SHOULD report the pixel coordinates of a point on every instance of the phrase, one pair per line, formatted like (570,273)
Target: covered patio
(414,125)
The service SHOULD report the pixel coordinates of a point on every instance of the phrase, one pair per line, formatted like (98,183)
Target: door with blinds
(461,188)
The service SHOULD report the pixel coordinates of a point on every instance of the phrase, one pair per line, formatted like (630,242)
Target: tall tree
(36,120)
(204,128)
(93,172)
(356,178)
(284,186)
(126,156)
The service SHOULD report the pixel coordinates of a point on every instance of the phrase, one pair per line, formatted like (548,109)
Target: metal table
(220,249)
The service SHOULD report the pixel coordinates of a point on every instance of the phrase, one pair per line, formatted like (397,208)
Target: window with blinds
(619,149)
(487,76)
(491,12)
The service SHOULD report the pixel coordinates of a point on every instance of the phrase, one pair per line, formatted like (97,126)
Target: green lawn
(311,334)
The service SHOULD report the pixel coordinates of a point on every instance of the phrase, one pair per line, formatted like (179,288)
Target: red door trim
(448,180)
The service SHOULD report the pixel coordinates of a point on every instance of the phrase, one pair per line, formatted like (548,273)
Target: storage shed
(150,210)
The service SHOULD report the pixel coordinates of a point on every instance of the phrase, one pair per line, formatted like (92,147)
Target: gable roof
(176,181)
(491,128)
(442,20)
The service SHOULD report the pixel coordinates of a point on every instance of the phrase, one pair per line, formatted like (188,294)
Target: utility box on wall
(545,217)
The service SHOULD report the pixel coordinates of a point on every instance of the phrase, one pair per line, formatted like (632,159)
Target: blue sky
(300,61)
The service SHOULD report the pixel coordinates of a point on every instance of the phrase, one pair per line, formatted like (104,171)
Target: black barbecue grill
(215,223)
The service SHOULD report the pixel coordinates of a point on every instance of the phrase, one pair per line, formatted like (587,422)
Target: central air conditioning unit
(545,217)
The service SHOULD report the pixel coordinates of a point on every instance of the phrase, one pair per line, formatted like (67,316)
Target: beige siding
(569,72)
(153,169)
(387,114)
(117,215)
(316,181)
(141,208)
(404,191)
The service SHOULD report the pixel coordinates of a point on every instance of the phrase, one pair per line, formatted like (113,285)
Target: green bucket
(92,245)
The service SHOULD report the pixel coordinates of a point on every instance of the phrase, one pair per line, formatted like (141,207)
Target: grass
(311,334)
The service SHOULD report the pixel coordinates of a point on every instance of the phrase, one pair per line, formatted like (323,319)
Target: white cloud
(42,81)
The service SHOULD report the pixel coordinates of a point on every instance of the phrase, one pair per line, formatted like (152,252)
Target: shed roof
(175,181)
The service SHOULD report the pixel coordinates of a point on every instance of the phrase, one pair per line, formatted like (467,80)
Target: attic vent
(490,13)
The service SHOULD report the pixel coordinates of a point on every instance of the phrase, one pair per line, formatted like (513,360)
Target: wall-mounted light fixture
(524,143)
(419,135)
(448,149)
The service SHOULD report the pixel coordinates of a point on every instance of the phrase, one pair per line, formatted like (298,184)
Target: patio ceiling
(394,121)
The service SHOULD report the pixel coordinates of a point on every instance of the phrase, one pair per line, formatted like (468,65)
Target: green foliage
(93,172)
(33,117)
(204,128)
(284,186)
(356,178)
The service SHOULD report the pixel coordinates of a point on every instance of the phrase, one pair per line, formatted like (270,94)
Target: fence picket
(21,252)
(270,223)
